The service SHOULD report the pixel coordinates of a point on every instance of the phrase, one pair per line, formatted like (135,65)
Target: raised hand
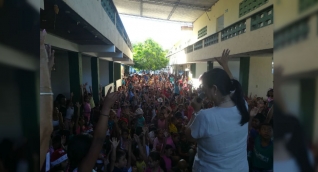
(196,106)
(110,98)
(136,138)
(50,54)
(145,129)
(116,119)
(63,140)
(42,37)
(254,112)
(78,105)
(223,60)
(114,142)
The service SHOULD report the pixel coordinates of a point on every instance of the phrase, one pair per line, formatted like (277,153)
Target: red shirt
(190,111)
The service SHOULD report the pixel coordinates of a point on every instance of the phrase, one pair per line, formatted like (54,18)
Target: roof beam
(117,55)
(183,5)
(97,48)
(141,7)
(173,9)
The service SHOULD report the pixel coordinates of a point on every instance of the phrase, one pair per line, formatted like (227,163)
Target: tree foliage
(149,56)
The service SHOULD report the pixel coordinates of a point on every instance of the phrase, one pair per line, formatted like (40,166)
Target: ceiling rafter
(183,5)
(174,8)
(141,7)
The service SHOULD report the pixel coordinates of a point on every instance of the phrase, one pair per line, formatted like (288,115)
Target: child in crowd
(262,153)
(140,120)
(154,117)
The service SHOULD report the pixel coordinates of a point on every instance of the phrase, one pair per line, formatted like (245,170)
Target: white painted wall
(200,69)
(103,72)
(95,15)
(87,72)
(290,91)
(10,121)
(260,76)
(60,78)
(234,67)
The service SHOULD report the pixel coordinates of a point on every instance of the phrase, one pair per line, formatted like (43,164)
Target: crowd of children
(146,127)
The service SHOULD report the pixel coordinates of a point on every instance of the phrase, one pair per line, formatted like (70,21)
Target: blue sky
(164,32)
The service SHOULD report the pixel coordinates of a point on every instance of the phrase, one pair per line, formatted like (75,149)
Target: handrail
(113,14)
(235,29)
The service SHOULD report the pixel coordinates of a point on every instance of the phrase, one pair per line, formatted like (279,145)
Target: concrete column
(95,78)
(75,72)
(111,72)
(210,65)
(307,105)
(244,73)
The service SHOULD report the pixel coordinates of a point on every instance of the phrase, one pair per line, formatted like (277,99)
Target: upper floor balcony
(85,23)
(253,34)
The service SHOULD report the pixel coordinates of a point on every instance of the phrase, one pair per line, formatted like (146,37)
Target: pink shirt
(87,109)
(167,161)
(157,146)
(118,112)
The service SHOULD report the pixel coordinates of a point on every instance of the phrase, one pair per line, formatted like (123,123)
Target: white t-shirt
(222,141)
(69,113)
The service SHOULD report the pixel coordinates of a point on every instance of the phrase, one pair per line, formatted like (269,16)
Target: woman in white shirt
(220,132)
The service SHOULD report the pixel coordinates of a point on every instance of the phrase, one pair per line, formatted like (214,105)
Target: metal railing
(235,29)
(112,13)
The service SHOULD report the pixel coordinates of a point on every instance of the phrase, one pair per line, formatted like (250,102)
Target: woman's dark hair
(225,85)
(78,148)
(155,156)
(59,97)
(296,146)
(270,90)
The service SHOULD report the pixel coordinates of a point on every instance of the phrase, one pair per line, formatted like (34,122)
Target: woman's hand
(223,60)
(114,142)
(196,106)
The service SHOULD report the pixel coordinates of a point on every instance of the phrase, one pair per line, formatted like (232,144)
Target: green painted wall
(95,78)
(29,83)
(75,72)
(193,69)
(307,105)
(210,65)
(111,72)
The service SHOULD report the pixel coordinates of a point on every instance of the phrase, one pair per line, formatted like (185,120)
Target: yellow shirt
(92,103)
(173,128)
(141,166)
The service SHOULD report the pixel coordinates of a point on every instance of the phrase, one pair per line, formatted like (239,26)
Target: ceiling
(172,10)
(69,25)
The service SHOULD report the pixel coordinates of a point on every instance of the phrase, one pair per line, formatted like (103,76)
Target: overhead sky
(166,33)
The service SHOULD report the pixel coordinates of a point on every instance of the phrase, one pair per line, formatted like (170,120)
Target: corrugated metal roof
(174,10)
